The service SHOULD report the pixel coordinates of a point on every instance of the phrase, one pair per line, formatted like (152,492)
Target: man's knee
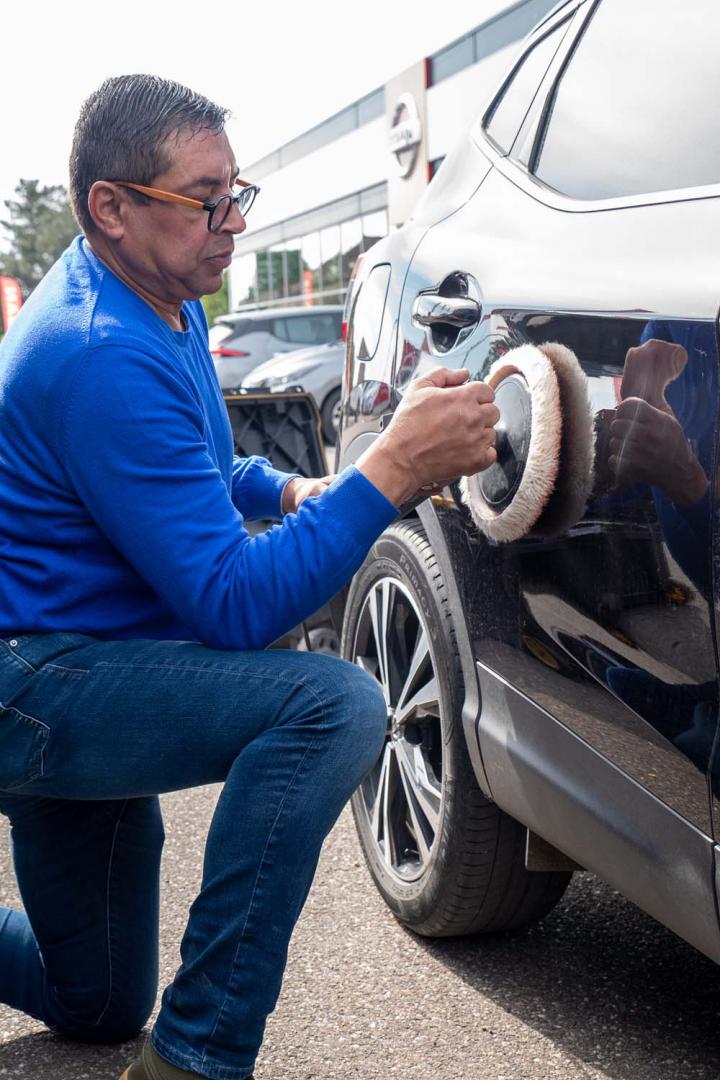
(104,1013)
(355,707)
(120,1023)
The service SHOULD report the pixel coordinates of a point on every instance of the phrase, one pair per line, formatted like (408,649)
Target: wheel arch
(427,515)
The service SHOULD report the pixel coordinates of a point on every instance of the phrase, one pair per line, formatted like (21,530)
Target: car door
(598,229)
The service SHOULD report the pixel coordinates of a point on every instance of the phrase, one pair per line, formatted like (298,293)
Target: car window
(222,330)
(510,111)
(278,329)
(311,329)
(635,110)
(218,333)
(369,310)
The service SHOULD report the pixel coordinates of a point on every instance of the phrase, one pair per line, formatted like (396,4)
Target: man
(135,608)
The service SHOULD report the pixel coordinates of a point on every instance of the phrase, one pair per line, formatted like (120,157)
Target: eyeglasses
(217,211)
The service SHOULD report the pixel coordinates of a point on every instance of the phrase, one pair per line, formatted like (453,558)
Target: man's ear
(107,208)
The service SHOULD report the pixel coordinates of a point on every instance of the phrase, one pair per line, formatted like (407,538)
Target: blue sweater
(122,506)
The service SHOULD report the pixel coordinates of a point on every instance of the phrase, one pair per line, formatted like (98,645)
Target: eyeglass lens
(244,200)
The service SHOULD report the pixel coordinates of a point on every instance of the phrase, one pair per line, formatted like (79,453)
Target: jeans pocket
(22,749)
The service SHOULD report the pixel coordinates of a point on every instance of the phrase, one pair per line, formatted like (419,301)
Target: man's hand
(443,428)
(300,488)
(648,446)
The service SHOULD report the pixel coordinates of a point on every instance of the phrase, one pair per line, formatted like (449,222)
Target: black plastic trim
(548,778)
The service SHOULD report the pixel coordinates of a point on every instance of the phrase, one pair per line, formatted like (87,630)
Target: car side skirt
(548,778)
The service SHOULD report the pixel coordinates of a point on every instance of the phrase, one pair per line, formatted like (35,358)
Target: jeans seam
(14,789)
(261,867)
(107,914)
(192,1062)
(14,653)
(210,671)
(60,667)
(25,716)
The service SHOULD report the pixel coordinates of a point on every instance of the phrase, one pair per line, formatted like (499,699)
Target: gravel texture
(599,990)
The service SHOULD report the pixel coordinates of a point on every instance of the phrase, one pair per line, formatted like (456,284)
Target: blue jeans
(90,733)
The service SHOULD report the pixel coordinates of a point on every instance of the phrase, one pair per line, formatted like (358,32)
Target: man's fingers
(442,376)
(632,408)
(628,429)
(489,414)
(489,457)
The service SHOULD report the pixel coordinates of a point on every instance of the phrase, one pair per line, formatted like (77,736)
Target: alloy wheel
(402,796)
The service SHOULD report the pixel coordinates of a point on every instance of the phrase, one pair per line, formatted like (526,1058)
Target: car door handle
(461,312)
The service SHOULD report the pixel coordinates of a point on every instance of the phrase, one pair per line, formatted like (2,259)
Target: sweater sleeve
(132,443)
(257,488)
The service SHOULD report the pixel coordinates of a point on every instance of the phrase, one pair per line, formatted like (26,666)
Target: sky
(280,67)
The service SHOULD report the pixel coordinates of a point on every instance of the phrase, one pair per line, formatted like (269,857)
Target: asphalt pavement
(599,990)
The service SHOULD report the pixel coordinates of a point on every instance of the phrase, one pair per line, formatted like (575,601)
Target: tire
(445,858)
(322,639)
(329,418)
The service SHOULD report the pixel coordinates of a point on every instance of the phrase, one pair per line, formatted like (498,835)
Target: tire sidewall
(394,556)
(329,433)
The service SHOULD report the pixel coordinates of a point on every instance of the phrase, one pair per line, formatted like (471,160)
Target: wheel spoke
(377,806)
(415,695)
(425,788)
(423,842)
(379,614)
(402,797)
(425,702)
(420,656)
(382,808)
(369,665)
(391,847)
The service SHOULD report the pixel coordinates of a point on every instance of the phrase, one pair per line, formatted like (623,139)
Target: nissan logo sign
(405,134)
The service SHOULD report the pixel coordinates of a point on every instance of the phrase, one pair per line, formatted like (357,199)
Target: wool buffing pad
(545,445)
(577,445)
(507,499)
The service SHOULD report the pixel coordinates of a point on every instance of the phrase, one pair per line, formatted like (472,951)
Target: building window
(352,236)
(263,275)
(331,268)
(293,267)
(245,280)
(374,227)
(311,263)
(310,269)
(278,277)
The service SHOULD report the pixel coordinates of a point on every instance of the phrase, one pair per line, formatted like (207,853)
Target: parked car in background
(545,633)
(317,371)
(241,341)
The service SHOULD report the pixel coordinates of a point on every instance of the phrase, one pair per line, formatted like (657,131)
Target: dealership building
(331,192)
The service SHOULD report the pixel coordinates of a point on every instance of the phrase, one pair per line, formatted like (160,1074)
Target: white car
(241,341)
(317,370)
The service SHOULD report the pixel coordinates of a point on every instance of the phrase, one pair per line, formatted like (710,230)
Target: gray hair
(123,130)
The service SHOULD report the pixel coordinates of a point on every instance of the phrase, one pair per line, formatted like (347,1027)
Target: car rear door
(598,229)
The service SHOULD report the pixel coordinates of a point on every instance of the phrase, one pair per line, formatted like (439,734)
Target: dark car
(546,632)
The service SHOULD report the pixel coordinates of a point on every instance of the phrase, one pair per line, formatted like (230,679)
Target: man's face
(167,247)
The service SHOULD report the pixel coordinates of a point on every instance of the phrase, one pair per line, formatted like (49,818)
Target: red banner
(10,300)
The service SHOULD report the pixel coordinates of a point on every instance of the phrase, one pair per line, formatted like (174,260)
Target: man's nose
(234,223)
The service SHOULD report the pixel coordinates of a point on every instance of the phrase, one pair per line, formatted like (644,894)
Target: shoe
(126,1076)
(150,1066)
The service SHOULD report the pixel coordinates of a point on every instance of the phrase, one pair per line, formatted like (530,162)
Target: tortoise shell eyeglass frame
(217,211)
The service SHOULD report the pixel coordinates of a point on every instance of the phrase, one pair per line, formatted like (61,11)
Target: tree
(216,303)
(40,226)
